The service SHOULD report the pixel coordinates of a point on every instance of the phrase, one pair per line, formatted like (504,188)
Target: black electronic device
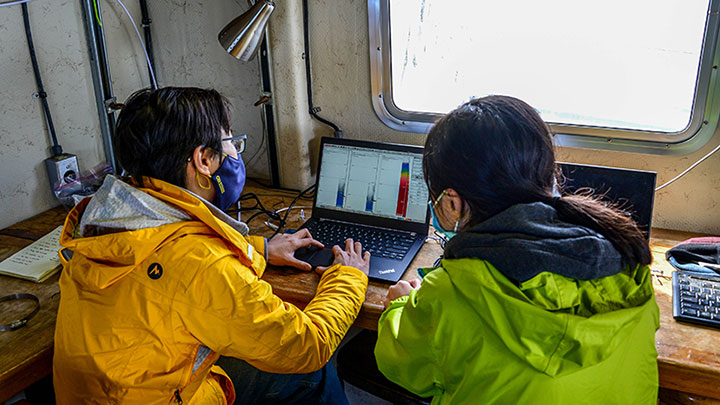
(696,298)
(374,193)
(631,190)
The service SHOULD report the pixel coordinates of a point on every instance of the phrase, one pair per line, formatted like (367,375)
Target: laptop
(632,190)
(374,193)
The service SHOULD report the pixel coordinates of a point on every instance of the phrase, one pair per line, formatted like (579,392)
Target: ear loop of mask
(197,179)
(457,222)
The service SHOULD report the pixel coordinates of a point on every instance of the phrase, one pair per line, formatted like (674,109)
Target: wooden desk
(688,356)
(26,353)
(299,287)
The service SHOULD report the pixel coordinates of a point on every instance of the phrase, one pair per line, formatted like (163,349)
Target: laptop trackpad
(314,256)
(323,257)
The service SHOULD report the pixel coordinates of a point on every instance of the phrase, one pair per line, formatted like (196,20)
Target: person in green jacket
(541,297)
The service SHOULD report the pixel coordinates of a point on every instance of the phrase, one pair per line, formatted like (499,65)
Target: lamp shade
(243,35)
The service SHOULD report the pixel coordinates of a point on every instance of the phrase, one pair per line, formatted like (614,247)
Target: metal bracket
(265,98)
(110,105)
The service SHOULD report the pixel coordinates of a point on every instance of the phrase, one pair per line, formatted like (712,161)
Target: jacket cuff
(339,266)
(259,243)
(398,302)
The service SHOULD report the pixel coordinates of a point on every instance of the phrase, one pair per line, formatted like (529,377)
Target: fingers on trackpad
(323,257)
(305,253)
(315,256)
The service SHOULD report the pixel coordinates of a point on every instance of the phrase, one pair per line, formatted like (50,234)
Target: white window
(633,74)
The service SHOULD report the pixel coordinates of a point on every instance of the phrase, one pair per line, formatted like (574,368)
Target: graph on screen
(384,183)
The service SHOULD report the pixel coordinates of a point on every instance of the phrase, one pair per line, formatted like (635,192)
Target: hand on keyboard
(282,247)
(352,256)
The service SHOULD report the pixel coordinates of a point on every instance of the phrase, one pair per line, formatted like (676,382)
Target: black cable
(56,149)
(258,206)
(245,197)
(314,110)
(253,216)
(284,219)
(279,189)
(146,21)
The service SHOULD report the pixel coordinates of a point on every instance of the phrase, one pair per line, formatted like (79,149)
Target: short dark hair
(157,130)
(496,152)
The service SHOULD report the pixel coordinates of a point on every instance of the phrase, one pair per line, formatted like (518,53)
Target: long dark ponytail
(496,152)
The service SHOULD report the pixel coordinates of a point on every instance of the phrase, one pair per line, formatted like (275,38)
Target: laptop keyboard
(379,242)
(696,298)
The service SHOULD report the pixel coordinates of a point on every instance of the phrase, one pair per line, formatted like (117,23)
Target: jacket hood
(555,324)
(555,293)
(528,239)
(120,226)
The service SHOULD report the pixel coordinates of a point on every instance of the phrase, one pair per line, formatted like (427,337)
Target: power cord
(689,168)
(56,149)
(146,21)
(273,214)
(442,239)
(142,44)
(337,132)
(12,3)
(258,206)
(289,208)
(302,209)
(255,215)
(275,188)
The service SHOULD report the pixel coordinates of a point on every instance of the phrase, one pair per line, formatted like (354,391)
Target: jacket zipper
(178,398)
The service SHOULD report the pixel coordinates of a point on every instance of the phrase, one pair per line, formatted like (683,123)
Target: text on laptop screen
(383,183)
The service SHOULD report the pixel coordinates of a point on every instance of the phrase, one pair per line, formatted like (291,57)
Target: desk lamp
(242,36)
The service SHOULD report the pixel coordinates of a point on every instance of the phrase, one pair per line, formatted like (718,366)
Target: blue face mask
(229,181)
(436,223)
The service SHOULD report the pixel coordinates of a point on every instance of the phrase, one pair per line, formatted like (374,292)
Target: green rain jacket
(471,334)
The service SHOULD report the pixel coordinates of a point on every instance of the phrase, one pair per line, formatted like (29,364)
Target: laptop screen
(381,183)
(631,190)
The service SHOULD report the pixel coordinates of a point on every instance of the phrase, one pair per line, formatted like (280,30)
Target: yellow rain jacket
(158,287)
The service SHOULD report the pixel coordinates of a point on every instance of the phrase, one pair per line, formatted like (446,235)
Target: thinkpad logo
(155,271)
(386,271)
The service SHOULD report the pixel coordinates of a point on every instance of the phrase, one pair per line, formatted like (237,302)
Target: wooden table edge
(26,373)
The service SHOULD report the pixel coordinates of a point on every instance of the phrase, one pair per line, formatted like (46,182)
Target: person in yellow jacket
(160,282)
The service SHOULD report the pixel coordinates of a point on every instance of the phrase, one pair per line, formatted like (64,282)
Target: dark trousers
(253,386)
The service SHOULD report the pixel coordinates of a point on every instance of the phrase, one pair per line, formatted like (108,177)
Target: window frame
(704,117)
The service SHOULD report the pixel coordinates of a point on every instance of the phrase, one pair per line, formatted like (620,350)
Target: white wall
(24,142)
(341,75)
(186,53)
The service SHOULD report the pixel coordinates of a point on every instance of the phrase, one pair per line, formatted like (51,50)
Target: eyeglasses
(238,142)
